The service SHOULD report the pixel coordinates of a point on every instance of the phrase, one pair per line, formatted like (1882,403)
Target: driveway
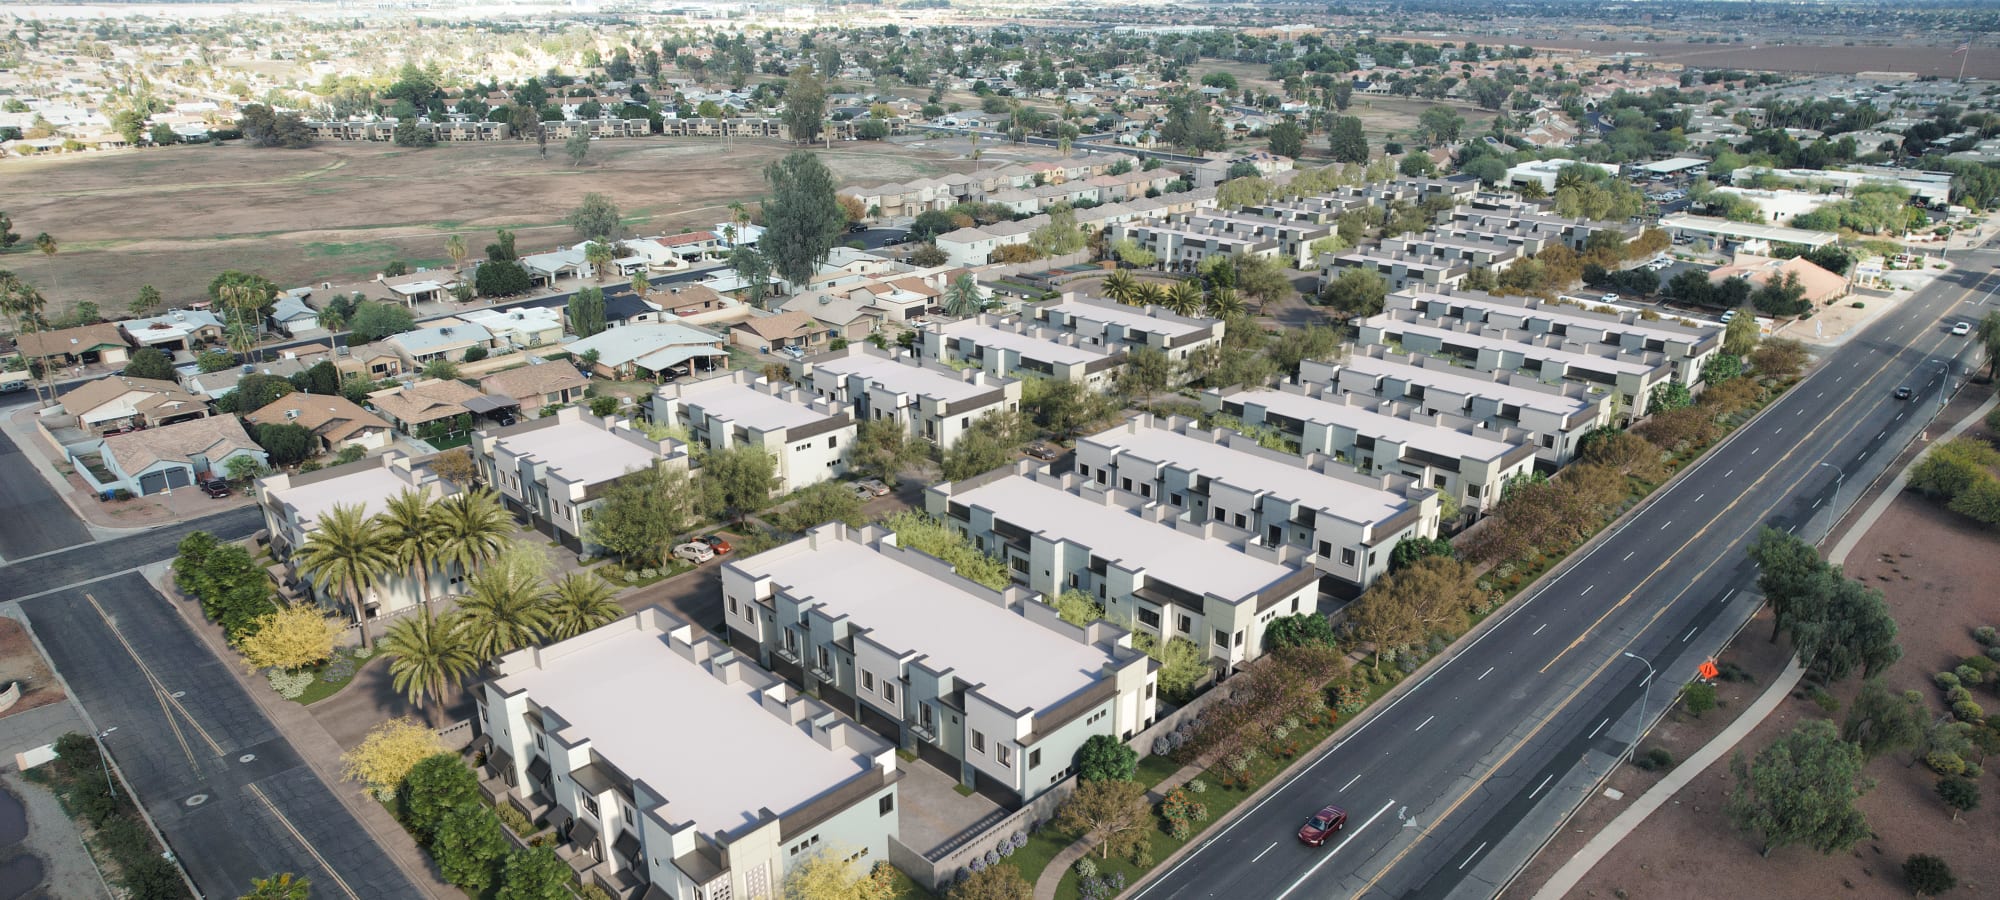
(695,596)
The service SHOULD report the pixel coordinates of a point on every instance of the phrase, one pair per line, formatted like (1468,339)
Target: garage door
(179,478)
(152,482)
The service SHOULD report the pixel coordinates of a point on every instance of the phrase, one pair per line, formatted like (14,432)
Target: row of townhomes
(1465,239)
(464,130)
(975,245)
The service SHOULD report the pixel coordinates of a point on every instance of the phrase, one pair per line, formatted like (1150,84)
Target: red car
(716,543)
(1324,824)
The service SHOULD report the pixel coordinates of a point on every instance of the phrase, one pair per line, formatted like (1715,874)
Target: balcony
(928,734)
(786,654)
(822,674)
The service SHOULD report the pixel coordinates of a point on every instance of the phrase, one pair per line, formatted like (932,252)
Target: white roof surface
(618,346)
(1444,378)
(1569,317)
(1430,438)
(1183,560)
(708,748)
(579,451)
(902,377)
(371,487)
(1532,351)
(1127,316)
(1251,472)
(1027,345)
(907,610)
(727,398)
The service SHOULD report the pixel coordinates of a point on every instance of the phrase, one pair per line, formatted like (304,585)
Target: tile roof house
(426,402)
(334,420)
(292,316)
(102,342)
(770,334)
(164,458)
(447,340)
(116,401)
(1822,287)
(536,386)
(653,350)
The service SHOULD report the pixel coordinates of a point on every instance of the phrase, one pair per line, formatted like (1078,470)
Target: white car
(1962,329)
(1608,298)
(694,552)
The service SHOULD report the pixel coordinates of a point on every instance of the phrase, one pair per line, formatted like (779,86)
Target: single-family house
(794,332)
(334,420)
(431,409)
(158,460)
(102,342)
(119,402)
(532,387)
(175,330)
(654,350)
(446,340)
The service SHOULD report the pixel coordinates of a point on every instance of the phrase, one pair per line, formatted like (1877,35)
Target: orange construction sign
(1708,669)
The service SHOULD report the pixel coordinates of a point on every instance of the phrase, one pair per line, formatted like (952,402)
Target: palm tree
(503,610)
(410,525)
(46,243)
(1148,294)
(579,602)
(1062,147)
(429,655)
(599,256)
(641,285)
(331,320)
(962,298)
(21,302)
(474,528)
(1224,304)
(1183,299)
(1119,286)
(346,553)
(454,247)
(242,302)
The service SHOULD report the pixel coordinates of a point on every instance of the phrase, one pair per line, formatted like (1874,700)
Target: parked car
(1044,451)
(716,543)
(217,489)
(861,492)
(695,552)
(856,228)
(875,486)
(1324,824)
(1608,298)
(1962,329)
(1727,315)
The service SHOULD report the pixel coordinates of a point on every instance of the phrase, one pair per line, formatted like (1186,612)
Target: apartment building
(809,437)
(1399,268)
(1570,232)
(1103,323)
(1347,521)
(674,767)
(933,401)
(1009,346)
(293,504)
(933,661)
(1557,416)
(1182,243)
(1445,452)
(1688,348)
(1629,376)
(555,470)
(1168,577)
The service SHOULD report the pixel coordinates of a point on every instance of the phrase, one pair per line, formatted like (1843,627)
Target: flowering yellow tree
(829,877)
(291,638)
(389,753)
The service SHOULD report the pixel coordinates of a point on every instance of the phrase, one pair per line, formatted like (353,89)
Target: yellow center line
(259,794)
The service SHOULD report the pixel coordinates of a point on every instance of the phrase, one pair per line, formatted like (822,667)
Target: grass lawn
(1155,769)
(614,574)
(341,669)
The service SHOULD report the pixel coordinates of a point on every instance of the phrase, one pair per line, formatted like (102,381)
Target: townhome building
(1573,233)
(1182,243)
(1557,416)
(1103,323)
(933,401)
(593,733)
(555,470)
(1348,522)
(1688,348)
(809,436)
(293,505)
(1013,347)
(1169,577)
(1398,269)
(1628,376)
(1448,453)
(934,661)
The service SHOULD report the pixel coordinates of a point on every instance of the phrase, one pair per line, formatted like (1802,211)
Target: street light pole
(104,759)
(1944,382)
(1645,701)
(1839,478)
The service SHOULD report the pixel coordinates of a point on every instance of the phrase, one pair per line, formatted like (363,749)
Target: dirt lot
(173,218)
(1928,563)
(1759,57)
(19,662)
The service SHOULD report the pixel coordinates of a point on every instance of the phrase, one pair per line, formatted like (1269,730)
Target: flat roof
(903,378)
(738,402)
(1129,317)
(1555,313)
(1779,233)
(1335,496)
(579,451)
(1448,379)
(710,749)
(908,610)
(370,487)
(1677,164)
(1184,560)
(1603,363)
(1025,344)
(1431,438)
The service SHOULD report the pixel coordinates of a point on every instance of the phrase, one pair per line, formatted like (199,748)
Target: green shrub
(1969,676)
(515,820)
(1945,763)
(1968,711)
(1827,703)
(1986,635)
(1945,680)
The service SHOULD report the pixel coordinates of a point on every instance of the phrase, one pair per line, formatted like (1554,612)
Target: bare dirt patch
(173,218)
(20,662)
(1934,568)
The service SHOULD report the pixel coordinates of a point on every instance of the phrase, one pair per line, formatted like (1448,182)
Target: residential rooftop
(912,611)
(1568,316)
(1027,345)
(1449,378)
(370,486)
(1254,472)
(575,449)
(1511,345)
(728,398)
(1129,317)
(1116,534)
(902,377)
(1379,425)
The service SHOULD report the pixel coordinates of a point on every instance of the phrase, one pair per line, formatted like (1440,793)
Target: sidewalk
(1566,878)
(1045,886)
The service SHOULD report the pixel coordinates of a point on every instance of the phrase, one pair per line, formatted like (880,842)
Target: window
(1174,499)
(825,659)
(1221,638)
(867,680)
(1186,623)
(1125,483)
(1035,758)
(1004,755)
(1239,520)
(925,718)
(889,690)
(1239,639)
(1020,565)
(732,605)
(1083,470)
(1325,548)
(1149,618)
(1219,513)
(832,441)
(1347,556)
(888,804)
(1149,690)
(978,741)
(1145,490)
(589,803)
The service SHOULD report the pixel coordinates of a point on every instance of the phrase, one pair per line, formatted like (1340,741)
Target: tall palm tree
(962,298)
(346,553)
(503,610)
(475,528)
(1224,304)
(409,523)
(579,602)
(20,302)
(1119,286)
(331,320)
(599,255)
(429,655)
(454,247)
(1148,294)
(1183,299)
(46,243)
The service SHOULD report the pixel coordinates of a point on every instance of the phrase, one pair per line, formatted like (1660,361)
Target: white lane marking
(1538,628)
(1350,782)
(1663,525)
(1336,849)
(1628,556)
(1885,433)
(1819,395)
(1801,411)
(1697,497)
(1690,634)
(1420,725)
(1729,473)
(1732,593)
(1781,430)
(1266,850)
(1468,860)
(1538,788)
(1482,675)
(1753,450)
(1586,590)
(1594,731)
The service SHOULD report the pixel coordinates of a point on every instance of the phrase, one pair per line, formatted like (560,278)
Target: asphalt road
(1449,788)
(33,520)
(228,792)
(80,565)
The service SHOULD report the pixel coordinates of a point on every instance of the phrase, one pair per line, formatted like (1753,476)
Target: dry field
(173,218)
(1763,57)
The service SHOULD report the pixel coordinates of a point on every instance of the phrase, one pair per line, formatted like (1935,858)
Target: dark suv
(217,489)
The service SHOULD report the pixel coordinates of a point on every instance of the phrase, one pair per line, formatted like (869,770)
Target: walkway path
(1566,878)
(1045,886)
